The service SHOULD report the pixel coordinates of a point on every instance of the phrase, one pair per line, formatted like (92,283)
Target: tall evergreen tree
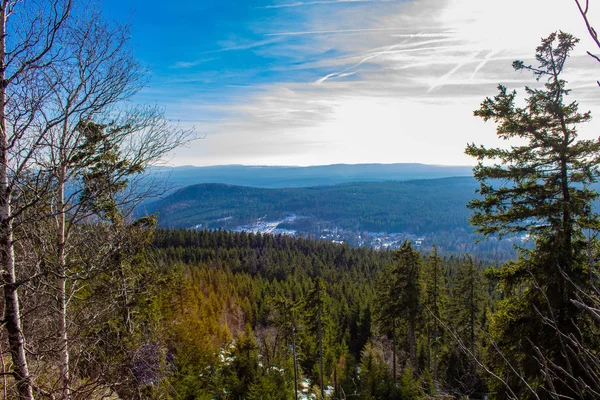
(286,319)
(398,298)
(434,300)
(539,186)
(386,313)
(467,302)
(466,307)
(315,304)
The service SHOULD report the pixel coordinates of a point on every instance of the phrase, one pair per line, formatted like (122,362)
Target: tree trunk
(435,321)
(412,346)
(435,370)
(428,366)
(320,344)
(394,350)
(12,312)
(63,334)
(473,310)
(336,389)
(295,365)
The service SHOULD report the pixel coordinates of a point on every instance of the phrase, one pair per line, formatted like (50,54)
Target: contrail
(425,35)
(369,56)
(442,80)
(335,74)
(487,58)
(312,3)
(332,32)
(323,79)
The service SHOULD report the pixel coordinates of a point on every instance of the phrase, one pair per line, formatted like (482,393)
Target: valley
(378,215)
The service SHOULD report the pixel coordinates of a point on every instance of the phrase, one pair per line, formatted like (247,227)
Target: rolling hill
(412,206)
(291,177)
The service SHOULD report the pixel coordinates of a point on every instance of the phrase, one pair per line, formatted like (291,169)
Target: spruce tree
(466,307)
(386,311)
(315,303)
(434,303)
(407,291)
(539,186)
(467,302)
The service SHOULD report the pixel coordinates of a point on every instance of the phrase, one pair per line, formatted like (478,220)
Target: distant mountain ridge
(415,206)
(294,177)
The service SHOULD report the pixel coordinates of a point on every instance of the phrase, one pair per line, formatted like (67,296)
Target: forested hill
(286,177)
(244,313)
(418,206)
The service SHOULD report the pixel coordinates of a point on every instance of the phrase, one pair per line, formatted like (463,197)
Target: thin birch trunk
(12,311)
(63,334)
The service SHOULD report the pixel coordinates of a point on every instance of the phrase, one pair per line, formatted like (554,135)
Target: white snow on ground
(263,226)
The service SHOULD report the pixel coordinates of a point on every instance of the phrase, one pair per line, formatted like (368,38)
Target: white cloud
(321,2)
(402,86)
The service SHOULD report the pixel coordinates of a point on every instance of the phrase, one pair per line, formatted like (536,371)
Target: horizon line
(314,165)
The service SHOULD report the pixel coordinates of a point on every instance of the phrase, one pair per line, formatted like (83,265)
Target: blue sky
(302,82)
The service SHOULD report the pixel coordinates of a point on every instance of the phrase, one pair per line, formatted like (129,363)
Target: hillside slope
(412,206)
(286,177)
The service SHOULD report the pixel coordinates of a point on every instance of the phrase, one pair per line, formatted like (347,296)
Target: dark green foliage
(541,186)
(270,386)
(409,388)
(434,301)
(277,284)
(376,382)
(318,324)
(406,293)
(434,208)
(104,171)
(414,206)
(243,371)
(398,304)
(467,303)
(466,309)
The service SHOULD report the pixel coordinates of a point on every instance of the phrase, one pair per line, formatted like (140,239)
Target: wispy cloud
(234,46)
(190,64)
(333,32)
(321,2)
(380,81)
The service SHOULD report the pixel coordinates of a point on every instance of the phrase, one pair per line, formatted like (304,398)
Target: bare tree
(98,73)
(29,31)
(577,377)
(584,10)
(72,153)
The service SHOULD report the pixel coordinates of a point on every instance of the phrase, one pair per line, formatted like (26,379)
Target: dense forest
(100,304)
(371,214)
(253,316)
(414,206)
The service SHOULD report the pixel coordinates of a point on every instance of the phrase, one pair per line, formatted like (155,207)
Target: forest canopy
(98,303)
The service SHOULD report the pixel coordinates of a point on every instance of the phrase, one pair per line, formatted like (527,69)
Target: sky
(315,82)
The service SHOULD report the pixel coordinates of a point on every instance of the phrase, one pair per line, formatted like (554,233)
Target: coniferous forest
(99,304)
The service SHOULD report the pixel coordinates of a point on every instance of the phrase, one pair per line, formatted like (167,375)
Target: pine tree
(407,290)
(540,187)
(434,302)
(386,313)
(286,320)
(466,307)
(314,307)
(398,298)
(467,302)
